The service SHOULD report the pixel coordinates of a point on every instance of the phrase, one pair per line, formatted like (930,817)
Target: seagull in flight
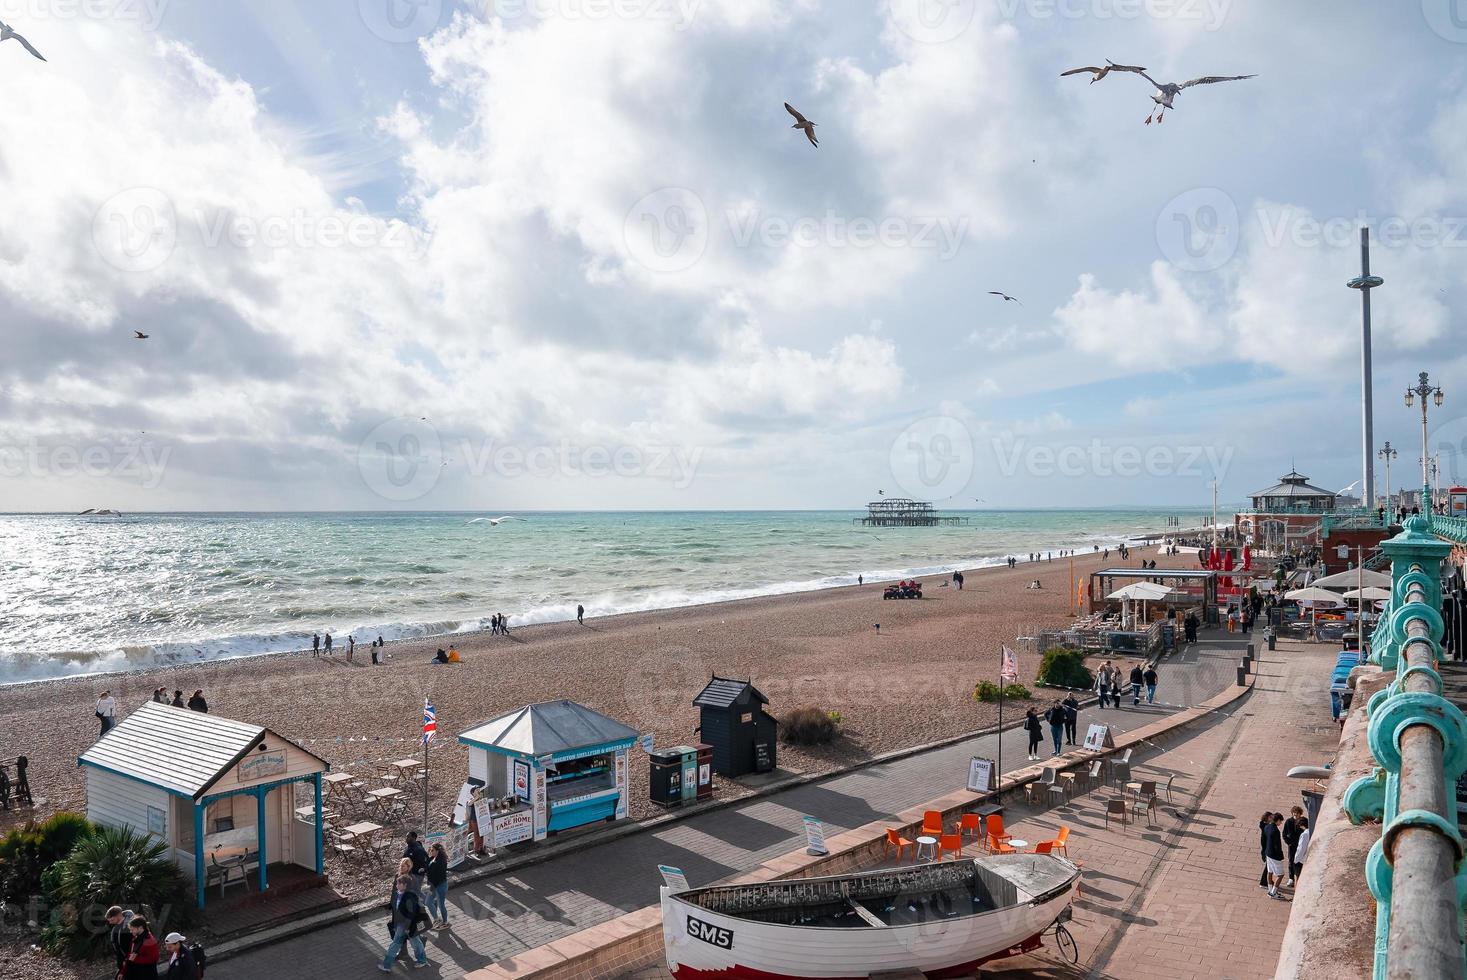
(493,521)
(1166,92)
(1100,73)
(7,32)
(1006,297)
(802,123)
(139,335)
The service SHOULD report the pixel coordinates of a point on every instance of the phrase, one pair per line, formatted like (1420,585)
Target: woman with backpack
(1036,733)
(181,962)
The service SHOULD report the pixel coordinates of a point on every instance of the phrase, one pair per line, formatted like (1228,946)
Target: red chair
(971,823)
(999,847)
(950,842)
(995,827)
(1058,844)
(932,824)
(894,839)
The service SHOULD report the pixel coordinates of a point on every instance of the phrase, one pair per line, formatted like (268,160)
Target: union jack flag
(430,721)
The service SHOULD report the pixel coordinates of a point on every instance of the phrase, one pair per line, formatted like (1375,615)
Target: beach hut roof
(1294,484)
(723,692)
(180,750)
(548,728)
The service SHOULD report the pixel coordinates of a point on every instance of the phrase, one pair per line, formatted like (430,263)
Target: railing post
(1420,740)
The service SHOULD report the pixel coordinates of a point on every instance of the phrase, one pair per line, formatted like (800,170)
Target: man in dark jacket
(1056,718)
(181,965)
(1291,840)
(418,854)
(1137,679)
(1273,854)
(407,915)
(119,940)
(1150,678)
(1072,717)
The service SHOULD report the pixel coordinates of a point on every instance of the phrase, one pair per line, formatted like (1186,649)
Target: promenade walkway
(535,905)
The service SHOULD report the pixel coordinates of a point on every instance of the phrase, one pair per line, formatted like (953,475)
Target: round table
(928,842)
(1017,844)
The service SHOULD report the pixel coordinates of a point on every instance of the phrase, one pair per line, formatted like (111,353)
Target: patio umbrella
(1354,578)
(1370,592)
(1316,597)
(1141,592)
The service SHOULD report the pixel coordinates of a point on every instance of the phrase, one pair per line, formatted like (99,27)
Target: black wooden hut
(734,721)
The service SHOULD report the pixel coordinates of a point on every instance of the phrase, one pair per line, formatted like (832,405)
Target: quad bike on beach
(903,590)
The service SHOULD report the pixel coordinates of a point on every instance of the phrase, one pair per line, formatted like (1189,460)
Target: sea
(85,594)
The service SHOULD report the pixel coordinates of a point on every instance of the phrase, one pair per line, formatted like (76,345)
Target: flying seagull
(139,335)
(1100,73)
(7,32)
(1006,297)
(802,123)
(492,521)
(1166,92)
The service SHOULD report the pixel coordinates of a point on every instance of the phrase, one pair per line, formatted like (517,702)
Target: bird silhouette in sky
(1006,297)
(802,123)
(1166,92)
(7,33)
(139,335)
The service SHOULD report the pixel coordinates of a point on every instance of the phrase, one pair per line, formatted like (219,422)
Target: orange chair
(1058,844)
(894,839)
(999,847)
(971,823)
(950,842)
(995,827)
(932,824)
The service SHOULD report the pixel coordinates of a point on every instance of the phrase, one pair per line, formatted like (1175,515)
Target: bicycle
(1065,942)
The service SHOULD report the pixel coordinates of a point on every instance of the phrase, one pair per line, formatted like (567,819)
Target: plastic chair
(950,843)
(932,824)
(894,839)
(999,847)
(1058,844)
(1169,786)
(1050,781)
(1095,778)
(1142,803)
(971,823)
(1115,808)
(995,828)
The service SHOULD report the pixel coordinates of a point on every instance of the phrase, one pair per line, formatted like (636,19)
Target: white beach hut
(220,793)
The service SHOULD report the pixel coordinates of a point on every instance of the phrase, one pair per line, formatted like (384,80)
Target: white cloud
(1137,328)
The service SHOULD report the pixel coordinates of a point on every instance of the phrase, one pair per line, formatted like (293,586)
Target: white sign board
(814,837)
(647,743)
(514,827)
(980,775)
(1098,737)
(673,878)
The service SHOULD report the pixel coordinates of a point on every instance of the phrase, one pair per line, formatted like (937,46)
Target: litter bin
(666,769)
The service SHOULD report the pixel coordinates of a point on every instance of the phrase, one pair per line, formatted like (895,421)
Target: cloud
(1136,328)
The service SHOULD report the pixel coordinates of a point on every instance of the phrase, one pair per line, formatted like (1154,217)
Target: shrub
(1065,668)
(988,691)
(810,726)
(114,865)
(27,851)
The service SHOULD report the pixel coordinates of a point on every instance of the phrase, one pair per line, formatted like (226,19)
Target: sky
(545,254)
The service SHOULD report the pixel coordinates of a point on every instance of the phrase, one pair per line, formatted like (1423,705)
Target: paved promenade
(535,905)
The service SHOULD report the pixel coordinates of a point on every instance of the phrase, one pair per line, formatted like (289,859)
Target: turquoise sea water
(88,594)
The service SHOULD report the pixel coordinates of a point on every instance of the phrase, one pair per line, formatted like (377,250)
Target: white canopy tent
(1354,578)
(1142,592)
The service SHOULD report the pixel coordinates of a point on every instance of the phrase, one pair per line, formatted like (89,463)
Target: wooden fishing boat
(943,919)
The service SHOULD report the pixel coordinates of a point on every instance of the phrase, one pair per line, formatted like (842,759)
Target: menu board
(522,779)
(1098,737)
(542,816)
(980,775)
(514,827)
(621,784)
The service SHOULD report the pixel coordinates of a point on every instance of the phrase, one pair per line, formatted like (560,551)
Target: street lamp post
(1387,453)
(1425,391)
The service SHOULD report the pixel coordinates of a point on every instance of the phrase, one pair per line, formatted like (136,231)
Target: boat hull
(706,945)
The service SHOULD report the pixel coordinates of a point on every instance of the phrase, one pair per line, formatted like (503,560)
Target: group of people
(451,656)
(1284,845)
(136,953)
(499,623)
(21,789)
(1063,717)
(195,702)
(411,907)
(318,646)
(1108,684)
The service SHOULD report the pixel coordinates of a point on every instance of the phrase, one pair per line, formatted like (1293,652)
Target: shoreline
(1143,540)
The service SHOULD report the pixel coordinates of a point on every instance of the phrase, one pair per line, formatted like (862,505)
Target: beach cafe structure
(220,793)
(1285,515)
(549,767)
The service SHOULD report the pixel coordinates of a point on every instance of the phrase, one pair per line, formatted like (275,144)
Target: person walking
(580,614)
(351,645)
(106,710)
(1036,733)
(23,781)
(328,644)
(376,651)
(418,855)
(119,940)
(1102,682)
(315,644)
(197,702)
(1150,678)
(1115,686)
(181,965)
(1137,679)
(1264,823)
(1056,718)
(1072,717)
(438,885)
(142,956)
(1273,855)
(406,916)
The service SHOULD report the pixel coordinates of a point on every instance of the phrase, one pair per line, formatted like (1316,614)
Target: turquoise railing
(1419,740)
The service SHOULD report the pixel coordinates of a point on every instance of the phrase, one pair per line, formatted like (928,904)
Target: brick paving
(535,905)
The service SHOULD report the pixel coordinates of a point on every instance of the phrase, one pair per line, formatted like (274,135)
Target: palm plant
(116,865)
